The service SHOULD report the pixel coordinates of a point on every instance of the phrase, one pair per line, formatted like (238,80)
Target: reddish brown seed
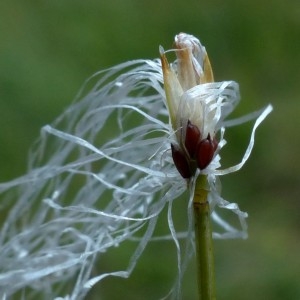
(215,142)
(205,153)
(192,137)
(180,161)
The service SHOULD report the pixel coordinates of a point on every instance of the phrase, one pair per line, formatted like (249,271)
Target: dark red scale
(215,142)
(181,162)
(205,152)
(194,150)
(192,138)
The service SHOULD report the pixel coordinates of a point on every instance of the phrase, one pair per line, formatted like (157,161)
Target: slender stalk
(203,237)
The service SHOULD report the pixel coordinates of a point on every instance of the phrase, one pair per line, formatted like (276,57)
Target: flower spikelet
(103,172)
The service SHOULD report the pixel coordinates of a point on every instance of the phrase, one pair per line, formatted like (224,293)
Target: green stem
(203,237)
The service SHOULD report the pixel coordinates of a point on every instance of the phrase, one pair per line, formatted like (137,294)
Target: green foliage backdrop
(49,47)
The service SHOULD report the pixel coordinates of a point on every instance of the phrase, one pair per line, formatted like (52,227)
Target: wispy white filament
(100,175)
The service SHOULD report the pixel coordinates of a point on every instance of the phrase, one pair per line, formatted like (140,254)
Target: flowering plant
(103,172)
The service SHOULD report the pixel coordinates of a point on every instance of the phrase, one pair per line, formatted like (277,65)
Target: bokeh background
(48,48)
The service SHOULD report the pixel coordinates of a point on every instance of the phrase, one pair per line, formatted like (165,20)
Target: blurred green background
(48,48)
